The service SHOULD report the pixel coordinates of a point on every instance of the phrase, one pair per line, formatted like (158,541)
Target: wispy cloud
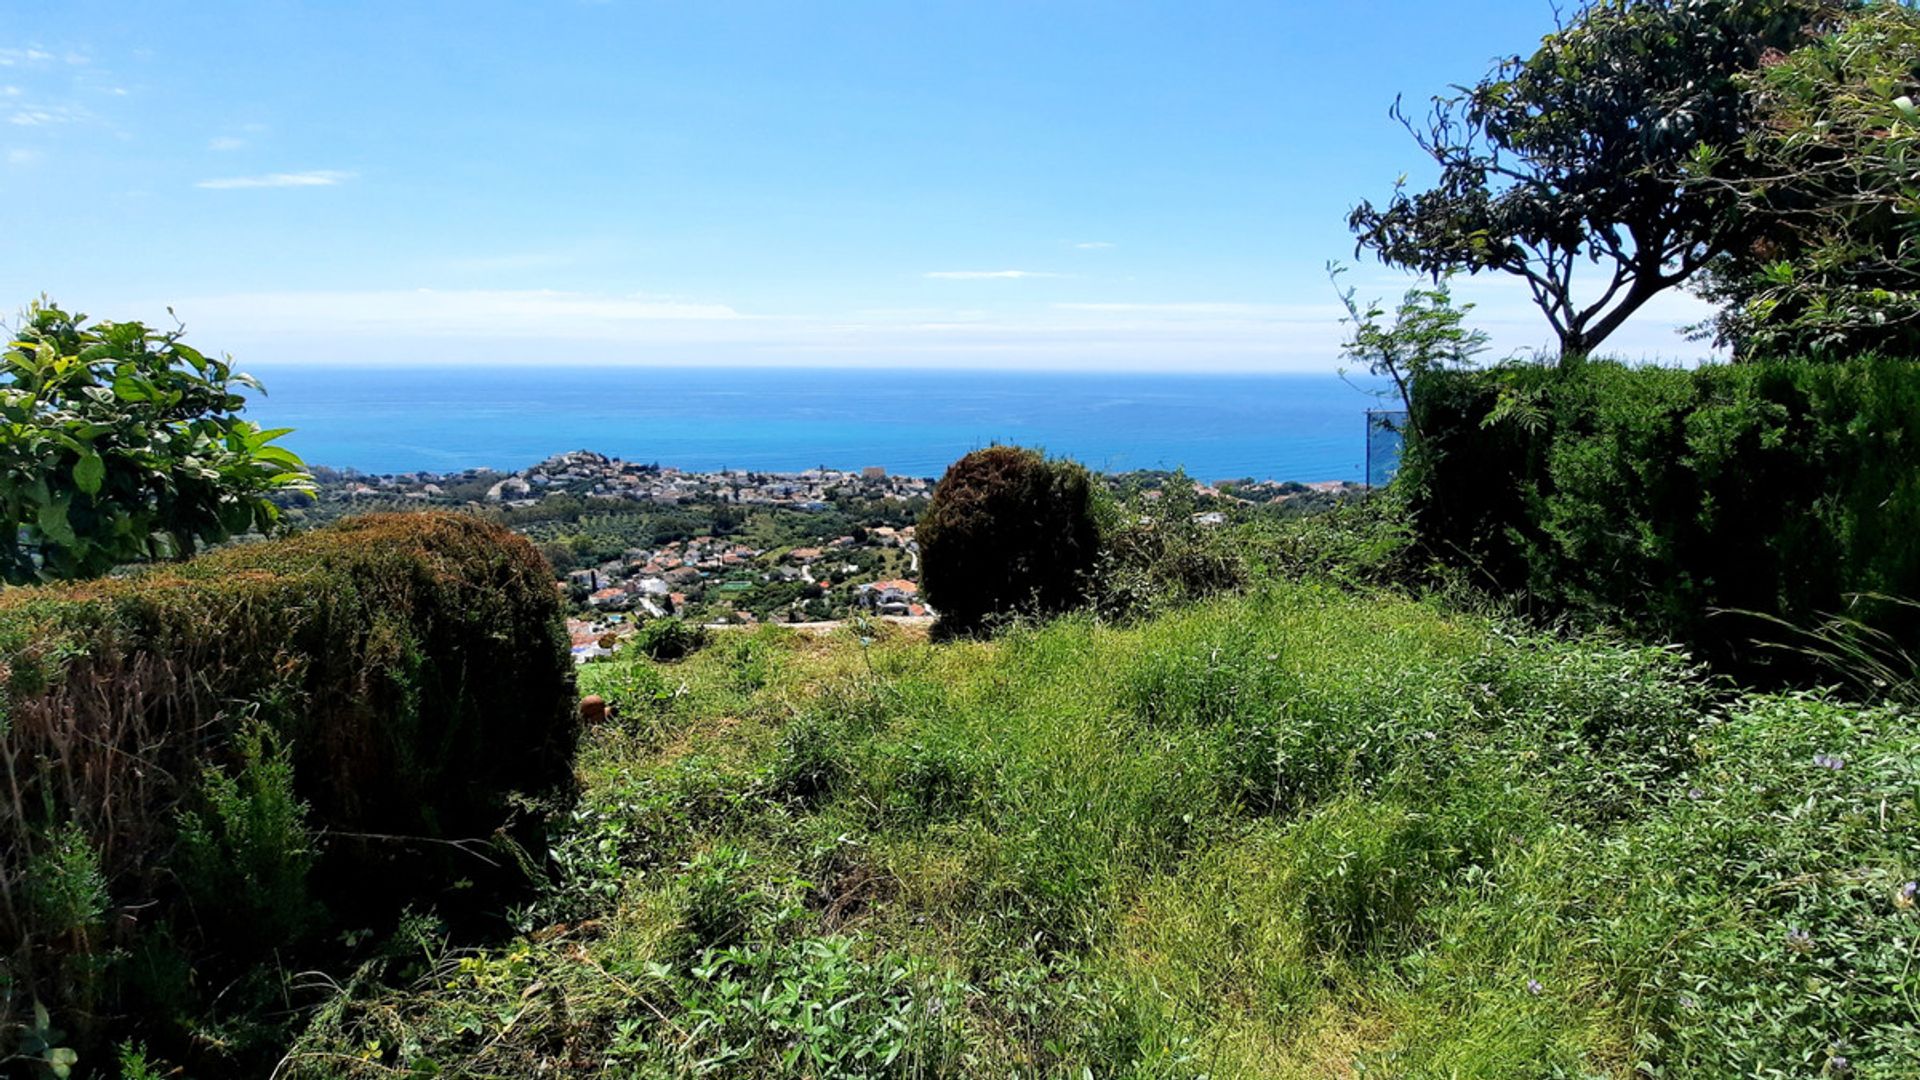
(225,142)
(466,326)
(1095,245)
(521,313)
(22,156)
(314,178)
(983,275)
(19,57)
(46,115)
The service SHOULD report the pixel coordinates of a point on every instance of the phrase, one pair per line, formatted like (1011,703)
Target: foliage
(1427,334)
(669,639)
(1296,832)
(245,851)
(1007,532)
(1156,554)
(1580,153)
(1706,506)
(1364,544)
(206,764)
(1828,264)
(119,444)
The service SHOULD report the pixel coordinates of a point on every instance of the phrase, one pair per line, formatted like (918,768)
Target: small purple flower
(1905,895)
(1838,1065)
(1799,941)
(1696,794)
(1830,761)
(1534,987)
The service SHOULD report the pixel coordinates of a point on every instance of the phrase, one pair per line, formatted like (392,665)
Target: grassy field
(1302,832)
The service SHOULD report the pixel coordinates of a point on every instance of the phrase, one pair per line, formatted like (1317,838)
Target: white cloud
(1095,245)
(225,142)
(16,57)
(314,178)
(22,156)
(46,115)
(532,326)
(982,275)
(399,314)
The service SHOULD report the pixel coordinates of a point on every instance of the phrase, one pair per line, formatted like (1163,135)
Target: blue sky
(978,184)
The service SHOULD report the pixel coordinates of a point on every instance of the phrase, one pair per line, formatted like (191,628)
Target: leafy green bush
(217,757)
(245,850)
(122,444)
(1368,542)
(1155,555)
(1007,532)
(1680,503)
(669,638)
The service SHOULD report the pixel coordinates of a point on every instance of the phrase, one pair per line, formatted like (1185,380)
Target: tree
(1428,333)
(1007,532)
(1828,263)
(120,444)
(1580,155)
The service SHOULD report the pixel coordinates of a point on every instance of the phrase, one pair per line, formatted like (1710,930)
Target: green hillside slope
(1299,833)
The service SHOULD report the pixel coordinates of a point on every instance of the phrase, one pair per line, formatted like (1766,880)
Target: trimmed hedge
(1680,503)
(1007,532)
(410,669)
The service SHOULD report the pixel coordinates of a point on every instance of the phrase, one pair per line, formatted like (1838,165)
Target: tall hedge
(1684,503)
(410,670)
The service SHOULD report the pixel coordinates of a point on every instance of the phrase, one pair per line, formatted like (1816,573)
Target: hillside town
(630,542)
(586,473)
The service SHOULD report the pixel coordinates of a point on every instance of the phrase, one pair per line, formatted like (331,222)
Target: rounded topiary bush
(1007,532)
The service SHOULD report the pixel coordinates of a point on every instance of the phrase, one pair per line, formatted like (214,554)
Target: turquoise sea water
(1286,427)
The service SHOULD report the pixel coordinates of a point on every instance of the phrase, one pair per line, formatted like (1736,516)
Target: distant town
(631,541)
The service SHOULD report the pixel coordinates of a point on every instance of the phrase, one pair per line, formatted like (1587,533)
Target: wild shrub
(1155,555)
(811,758)
(246,851)
(66,888)
(124,444)
(1368,542)
(932,779)
(753,658)
(624,831)
(1766,920)
(819,1007)
(1612,727)
(1007,532)
(670,638)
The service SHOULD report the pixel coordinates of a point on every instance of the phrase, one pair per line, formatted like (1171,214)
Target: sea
(1303,427)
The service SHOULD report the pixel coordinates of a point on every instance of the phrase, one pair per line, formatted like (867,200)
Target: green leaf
(89,472)
(53,522)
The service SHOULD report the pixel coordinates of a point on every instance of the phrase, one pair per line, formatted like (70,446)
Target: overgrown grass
(1303,832)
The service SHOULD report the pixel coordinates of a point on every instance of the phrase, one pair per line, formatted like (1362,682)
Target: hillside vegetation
(1299,832)
(219,773)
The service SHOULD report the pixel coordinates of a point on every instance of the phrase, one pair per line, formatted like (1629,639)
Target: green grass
(1297,833)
